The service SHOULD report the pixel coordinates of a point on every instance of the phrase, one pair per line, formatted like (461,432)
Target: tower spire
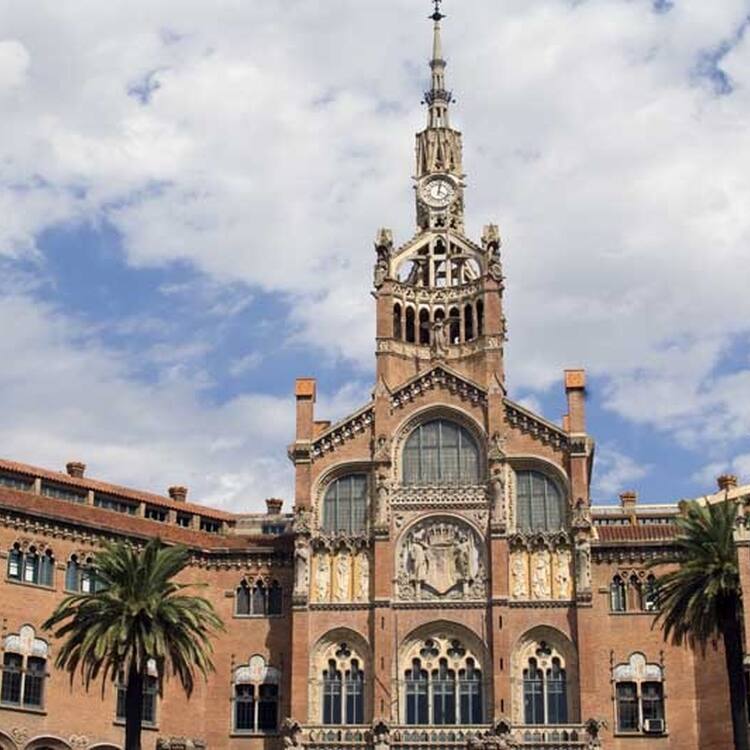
(438,97)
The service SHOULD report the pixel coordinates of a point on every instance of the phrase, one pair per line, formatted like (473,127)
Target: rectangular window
(15,560)
(156,514)
(150,688)
(443,701)
(16,482)
(533,699)
(471,701)
(33,686)
(184,520)
(112,503)
(31,568)
(244,708)
(63,493)
(627,707)
(212,527)
(354,699)
(11,685)
(652,700)
(268,708)
(332,699)
(416,700)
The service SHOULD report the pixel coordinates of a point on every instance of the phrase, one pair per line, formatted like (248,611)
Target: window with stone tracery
(258,599)
(345,505)
(639,696)
(539,503)
(255,697)
(545,688)
(24,670)
(343,683)
(440,452)
(443,684)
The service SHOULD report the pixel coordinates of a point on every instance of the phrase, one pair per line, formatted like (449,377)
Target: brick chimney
(273,506)
(178,493)
(628,500)
(727,482)
(75,469)
(575,390)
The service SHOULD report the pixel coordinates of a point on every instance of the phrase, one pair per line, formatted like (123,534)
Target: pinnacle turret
(438,98)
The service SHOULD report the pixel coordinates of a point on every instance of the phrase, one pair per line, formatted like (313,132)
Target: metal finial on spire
(437,15)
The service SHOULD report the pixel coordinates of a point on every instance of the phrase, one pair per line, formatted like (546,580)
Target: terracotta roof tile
(60,477)
(638,533)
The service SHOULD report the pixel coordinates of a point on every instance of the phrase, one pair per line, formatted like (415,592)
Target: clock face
(438,192)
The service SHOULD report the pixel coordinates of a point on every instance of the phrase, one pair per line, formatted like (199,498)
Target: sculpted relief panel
(441,558)
(340,575)
(541,573)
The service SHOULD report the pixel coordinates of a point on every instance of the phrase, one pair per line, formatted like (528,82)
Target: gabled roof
(439,375)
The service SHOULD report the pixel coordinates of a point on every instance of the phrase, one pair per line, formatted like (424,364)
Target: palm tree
(138,614)
(702,598)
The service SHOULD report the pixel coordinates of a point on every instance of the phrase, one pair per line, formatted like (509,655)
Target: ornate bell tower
(439,296)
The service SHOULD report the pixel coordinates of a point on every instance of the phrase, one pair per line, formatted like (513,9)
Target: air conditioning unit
(653,726)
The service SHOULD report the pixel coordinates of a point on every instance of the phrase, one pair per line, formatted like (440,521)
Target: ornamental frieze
(439,295)
(532,425)
(438,378)
(439,496)
(343,432)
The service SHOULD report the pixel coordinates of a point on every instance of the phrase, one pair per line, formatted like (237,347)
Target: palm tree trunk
(133,709)
(733,653)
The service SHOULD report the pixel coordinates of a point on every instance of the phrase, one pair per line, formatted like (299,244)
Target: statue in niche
(439,338)
(540,575)
(562,574)
(440,558)
(583,566)
(519,576)
(498,443)
(342,577)
(497,484)
(301,567)
(382,492)
(323,577)
(363,578)
(382,449)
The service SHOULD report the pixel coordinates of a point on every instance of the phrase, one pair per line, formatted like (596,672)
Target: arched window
(451,693)
(454,318)
(410,325)
(480,317)
(533,694)
(258,599)
(256,697)
(617,595)
(397,321)
(29,566)
(24,670)
(538,501)
(468,322)
(651,594)
(345,505)
(635,594)
(424,327)
(441,452)
(343,688)
(81,577)
(557,694)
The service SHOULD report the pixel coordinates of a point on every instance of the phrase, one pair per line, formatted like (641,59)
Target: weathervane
(437,15)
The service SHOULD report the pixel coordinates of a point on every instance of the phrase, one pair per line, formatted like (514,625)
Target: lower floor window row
(23,681)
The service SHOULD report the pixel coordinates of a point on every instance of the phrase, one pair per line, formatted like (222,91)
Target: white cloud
(614,473)
(264,143)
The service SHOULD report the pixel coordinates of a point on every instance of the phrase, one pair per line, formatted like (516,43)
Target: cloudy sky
(189,191)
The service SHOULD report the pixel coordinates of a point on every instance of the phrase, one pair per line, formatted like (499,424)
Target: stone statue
(583,566)
(301,567)
(418,558)
(292,733)
(540,575)
(497,484)
(302,523)
(363,578)
(382,449)
(382,492)
(323,577)
(497,446)
(519,575)
(379,274)
(342,577)
(562,574)
(439,338)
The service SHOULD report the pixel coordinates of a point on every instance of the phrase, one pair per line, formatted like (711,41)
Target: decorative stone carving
(380,509)
(441,558)
(322,577)
(581,516)
(379,274)
(342,431)
(362,579)
(342,578)
(583,565)
(78,742)
(519,574)
(382,450)
(436,378)
(301,567)
(541,583)
(20,735)
(495,270)
(562,574)
(436,496)
(498,443)
(528,423)
(381,735)
(302,523)
(439,338)
(498,497)
(291,731)
(180,743)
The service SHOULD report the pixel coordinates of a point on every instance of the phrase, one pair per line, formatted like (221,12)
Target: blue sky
(190,195)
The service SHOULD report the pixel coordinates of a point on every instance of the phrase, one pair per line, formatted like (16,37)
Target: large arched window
(441,452)
(545,693)
(538,502)
(343,683)
(345,505)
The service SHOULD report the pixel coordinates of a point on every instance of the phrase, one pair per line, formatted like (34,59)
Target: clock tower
(439,295)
